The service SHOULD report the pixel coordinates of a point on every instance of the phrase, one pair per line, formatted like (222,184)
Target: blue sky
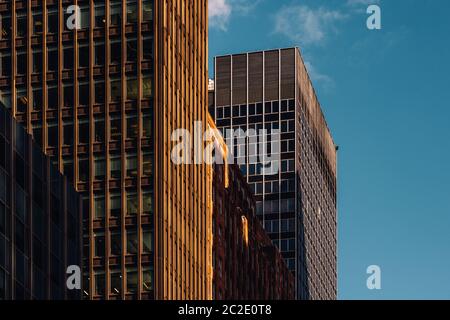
(386,97)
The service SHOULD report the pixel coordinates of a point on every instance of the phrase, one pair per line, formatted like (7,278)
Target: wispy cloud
(220,11)
(362,2)
(305,25)
(317,77)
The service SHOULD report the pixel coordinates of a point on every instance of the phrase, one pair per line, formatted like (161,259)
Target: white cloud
(220,11)
(361,2)
(317,77)
(306,25)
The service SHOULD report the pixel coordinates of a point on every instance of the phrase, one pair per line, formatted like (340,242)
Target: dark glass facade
(40,219)
(297,204)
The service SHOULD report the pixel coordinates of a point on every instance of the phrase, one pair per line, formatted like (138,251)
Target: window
(115,127)
(131,50)
(132,89)
(99,15)
(116,169)
(37,61)
(132,204)
(116,243)
(116,282)
(99,244)
(5,27)
(147,165)
(83,170)
(83,94)
(116,51)
(116,13)
(52,95)
(131,166)
(147,279)
(116,93)
(68,58)
(147,241)
(68,134)
(83,55)
(132,244)
(85,16)
(37,99)
(53,135)
(21,24)
(99,204)
(5,63)
(99,288)
(21,63)
(132,127)
(52,21)
(100,92)
(147,10)
(68,95)
(52,59)
(115,205)
(99,54)
(83,132)
(99,169)
(131,12)
(99,130)
(37,23)
(147,87)
(131,281)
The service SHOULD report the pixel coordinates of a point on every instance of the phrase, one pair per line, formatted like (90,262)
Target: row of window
(23,99)
(253,109)
(131,243)
(115,204)
(37,25)
(282,225)
(116,281)
(285,185)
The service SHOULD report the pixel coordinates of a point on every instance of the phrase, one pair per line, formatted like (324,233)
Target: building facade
(40,220)
(297,205)
(102,99)
(246,264)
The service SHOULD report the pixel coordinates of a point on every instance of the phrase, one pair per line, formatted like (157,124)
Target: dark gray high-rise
(272,90)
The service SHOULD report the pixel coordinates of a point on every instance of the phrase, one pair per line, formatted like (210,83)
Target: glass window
(99,130)
(147,8)
(21,63)
(131,12)
(52,96)
(99,169)
(83,132)
(147,87)
(132,89)
(116,50)
(99,54)
(115,205)
(99,15)
(116,169)
(37,99)
(132,281)
(147,279)
(147,241)
(99,203)
(131,50)
(99,92)
(5,25)
(147,165)
(116,243)
(68,58)
(131,166)
(83,94)
(132,204)
(99,287)
(99,244)
(52,21)
(68,134)
(68,95)
(83,55)
(52,59)
(21,24)
(115,127)
(37,61)
(115,13)
(132,127)
(83,170)
(5,63)
(115,90)
(116,282)
(132,244)
(37,23)
(53,135)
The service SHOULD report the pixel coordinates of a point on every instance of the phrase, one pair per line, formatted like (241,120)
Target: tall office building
(246,264)
(40,220)
(297,204)
(102,95)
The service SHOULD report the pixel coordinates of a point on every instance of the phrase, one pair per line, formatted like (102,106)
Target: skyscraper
(40,220)
(297,204)
(102,95)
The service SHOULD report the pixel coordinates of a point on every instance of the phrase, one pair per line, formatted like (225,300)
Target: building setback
(246,264)
(297,204)
(40,219)
(102,101)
